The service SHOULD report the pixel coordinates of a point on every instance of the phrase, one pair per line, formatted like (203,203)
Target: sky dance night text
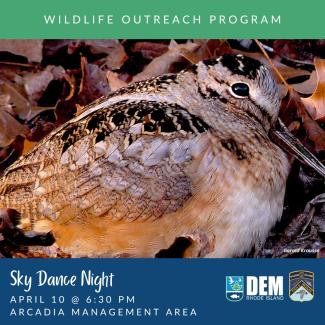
(42,278)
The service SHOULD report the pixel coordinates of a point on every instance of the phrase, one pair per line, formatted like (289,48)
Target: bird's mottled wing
(126,161)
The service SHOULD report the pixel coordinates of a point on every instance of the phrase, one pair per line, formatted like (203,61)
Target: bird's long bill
(283,137)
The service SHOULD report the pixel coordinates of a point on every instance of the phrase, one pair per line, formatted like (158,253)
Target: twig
(24,65)
(311,216)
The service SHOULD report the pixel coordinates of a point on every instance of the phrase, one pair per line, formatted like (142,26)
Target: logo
(264,288)
(258,288)
(301,285)
(234,288)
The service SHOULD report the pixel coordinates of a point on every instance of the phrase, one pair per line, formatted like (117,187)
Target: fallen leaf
(80,109)
(161,64)
(36,83)
(41,124)
(20,104)
(315,104)
(31,49)
(93,84)
(28,146)
(116,55)
(306,87)
(314,131)
(114,81)
(289,72)
(208,49)
(10,128)
(150,50)
(296,107)
(72,86)
(11,153)
(5,102)
(299,50)
(52,47)
(287,48)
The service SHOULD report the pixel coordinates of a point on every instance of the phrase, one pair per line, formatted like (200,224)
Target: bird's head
(246,87)
(243,85)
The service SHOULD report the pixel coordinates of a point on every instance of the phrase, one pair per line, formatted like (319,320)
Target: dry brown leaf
(31,49)
(161,64)
(71,80)
(53,47)
(307,87)
(116,55)
(36,83)
(28,146)
(286,48)
(21,105)
(114,81)
(150,50)
(207,49)
(5,102)
(80,109)
(315,104)
(10,128)
(314,132)
(94,83)
(289,72)
(10,153)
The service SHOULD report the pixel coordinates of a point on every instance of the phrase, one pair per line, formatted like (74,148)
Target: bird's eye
(239,90)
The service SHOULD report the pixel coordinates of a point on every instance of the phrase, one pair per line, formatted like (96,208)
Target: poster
(161,162)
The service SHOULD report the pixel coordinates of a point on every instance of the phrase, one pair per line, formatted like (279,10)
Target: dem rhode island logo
(254,288)
(301,285)
(234,288)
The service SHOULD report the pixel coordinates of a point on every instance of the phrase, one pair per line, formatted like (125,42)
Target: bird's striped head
(243,84)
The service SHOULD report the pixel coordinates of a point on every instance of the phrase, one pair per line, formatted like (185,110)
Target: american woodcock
(184,155)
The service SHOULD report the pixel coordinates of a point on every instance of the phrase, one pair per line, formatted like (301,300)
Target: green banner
(162,19)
